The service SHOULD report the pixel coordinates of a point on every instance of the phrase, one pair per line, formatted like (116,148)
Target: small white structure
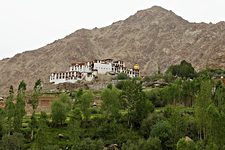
(89,70)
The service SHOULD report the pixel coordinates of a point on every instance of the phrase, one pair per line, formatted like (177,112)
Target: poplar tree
(216,113)
(10,109)
(20,106)
(74,125)
(85,103)
(36,94)
(2,123)
(40,137)
(34,102)
(202,102)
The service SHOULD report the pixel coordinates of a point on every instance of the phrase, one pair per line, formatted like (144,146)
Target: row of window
(66,73)
(103,68)
(63,77)
(67,78)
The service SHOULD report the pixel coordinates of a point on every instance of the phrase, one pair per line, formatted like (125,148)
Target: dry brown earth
(153,37)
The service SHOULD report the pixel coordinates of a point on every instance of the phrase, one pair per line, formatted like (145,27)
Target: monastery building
(89,70)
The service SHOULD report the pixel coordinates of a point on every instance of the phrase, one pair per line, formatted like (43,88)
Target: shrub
(186,144)
(122,76)
(88,144)
(164,131)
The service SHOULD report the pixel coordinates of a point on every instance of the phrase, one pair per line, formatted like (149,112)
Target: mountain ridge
(153,38)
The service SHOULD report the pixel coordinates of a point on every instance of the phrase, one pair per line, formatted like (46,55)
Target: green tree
(2,122)
(156,97)
(216,120)
(60,109)
(40,141)
(22,87)
(152,144)
(111,102)
(172,93)
(178,123)
(76,94)
(184,70)
(189,91)
(85,103)
(186,144)
(136,103)
(202,102)
(33,124)
(74,124)
(36,94)
(20,106)
(164,131)
(10,109)
(148,123)
(59,112)
(34,102)
(218,123)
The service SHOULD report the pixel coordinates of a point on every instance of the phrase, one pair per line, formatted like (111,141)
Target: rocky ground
(154,38)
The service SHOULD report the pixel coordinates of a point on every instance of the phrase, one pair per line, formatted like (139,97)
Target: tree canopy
(184,70)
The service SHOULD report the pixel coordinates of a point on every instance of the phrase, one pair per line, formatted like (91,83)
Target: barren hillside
(152,37)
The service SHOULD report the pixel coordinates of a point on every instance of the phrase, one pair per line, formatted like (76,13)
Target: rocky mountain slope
(153,38)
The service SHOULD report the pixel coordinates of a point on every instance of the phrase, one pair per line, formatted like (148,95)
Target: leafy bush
(164,131)
(14,141)
(88,144)
(155,96)
(110,86)
(95,110)
(120,85)
(150,144)
(122,76)
(148,123)
(186,144)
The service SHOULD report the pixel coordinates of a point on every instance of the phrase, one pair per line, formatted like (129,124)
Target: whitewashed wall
(103,68)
